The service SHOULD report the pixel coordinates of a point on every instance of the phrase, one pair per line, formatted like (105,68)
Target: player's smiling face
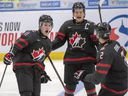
(46,28)
(79,15)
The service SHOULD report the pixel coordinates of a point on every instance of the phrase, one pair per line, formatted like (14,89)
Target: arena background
(17,16)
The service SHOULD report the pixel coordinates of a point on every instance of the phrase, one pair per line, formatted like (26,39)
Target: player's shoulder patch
(28,32)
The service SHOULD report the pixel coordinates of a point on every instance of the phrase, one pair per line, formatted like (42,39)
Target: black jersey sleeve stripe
(23,41)
(59,41)
(59,37)
(18,45)
(69,91)
(91,91)
(102,72)
(103,65)
(41,66)
(103,68)
(61,34)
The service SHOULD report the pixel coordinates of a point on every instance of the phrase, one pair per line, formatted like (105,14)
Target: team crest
(38,54)
(77,41)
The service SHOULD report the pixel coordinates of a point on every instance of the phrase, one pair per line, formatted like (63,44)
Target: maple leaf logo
(77,41)
(37,54)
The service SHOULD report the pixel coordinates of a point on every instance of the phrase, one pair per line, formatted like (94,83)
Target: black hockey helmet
(78,5)
(103,29)
(45,18)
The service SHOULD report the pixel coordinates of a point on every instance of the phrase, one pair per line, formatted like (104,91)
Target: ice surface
(53,88)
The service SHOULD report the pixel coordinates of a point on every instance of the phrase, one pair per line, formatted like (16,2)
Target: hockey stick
(5,69)
(99,8)
(3,76)
(56,71)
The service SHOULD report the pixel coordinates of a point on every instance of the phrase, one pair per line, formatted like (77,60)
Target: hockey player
(28,55)
(111,68)
(81,51)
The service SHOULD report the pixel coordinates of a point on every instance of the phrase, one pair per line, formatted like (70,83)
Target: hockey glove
(8,58)
(45,78)
(79,75)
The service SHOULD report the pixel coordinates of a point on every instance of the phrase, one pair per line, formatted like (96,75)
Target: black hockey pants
(29,82)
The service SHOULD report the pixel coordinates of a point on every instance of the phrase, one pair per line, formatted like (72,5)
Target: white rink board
(12,24)
(53,88)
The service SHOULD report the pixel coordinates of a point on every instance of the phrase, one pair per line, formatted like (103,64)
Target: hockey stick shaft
(99,8)
(3,75)
(56,71)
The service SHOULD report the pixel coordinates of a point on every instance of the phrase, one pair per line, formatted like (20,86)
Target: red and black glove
(45,78)
(8,58)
